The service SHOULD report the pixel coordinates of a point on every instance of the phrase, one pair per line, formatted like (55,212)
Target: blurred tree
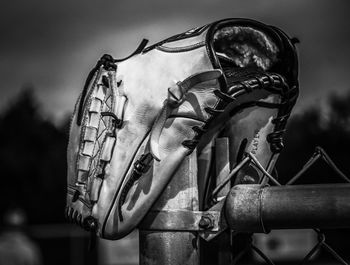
(339,117)
(33,161)
(304,133)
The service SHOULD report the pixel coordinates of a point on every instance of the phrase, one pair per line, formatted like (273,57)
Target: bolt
(206,222)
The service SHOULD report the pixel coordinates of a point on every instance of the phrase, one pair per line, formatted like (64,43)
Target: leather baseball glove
(138,118)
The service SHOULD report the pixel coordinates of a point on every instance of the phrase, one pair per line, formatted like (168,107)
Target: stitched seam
(185,117)
(177,37)
(181,49)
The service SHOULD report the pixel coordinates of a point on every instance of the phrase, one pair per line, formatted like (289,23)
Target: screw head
(206,222)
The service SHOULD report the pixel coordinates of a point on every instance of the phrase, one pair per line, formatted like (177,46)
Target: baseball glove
(138,118)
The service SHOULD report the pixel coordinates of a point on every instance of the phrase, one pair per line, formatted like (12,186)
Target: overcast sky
(53,44)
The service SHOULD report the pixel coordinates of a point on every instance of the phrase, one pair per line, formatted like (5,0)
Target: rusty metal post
(174,247)
(253,208)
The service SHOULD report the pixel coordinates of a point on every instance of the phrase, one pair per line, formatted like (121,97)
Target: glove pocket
(248,131)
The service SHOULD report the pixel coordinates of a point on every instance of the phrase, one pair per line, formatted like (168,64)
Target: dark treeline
(306,131)
(33,161)
(33,154)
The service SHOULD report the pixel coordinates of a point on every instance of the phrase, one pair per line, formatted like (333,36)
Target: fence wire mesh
(321,244)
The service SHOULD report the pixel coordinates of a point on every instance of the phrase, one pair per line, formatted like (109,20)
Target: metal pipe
(173,247)
(229,177)
(222,170)
(254,208)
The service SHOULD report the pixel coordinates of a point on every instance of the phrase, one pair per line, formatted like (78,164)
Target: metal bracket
(209,223)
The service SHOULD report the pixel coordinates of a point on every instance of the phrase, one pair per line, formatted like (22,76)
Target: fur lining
(245,47)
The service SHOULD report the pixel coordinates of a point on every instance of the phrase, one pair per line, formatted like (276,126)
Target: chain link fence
(321,243)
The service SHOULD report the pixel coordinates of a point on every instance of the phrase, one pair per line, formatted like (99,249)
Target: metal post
(222,171)
(253,208)
(174,247)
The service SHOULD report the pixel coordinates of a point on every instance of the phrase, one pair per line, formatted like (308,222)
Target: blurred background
(46,50)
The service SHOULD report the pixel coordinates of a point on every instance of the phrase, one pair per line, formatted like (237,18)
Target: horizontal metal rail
(256,208)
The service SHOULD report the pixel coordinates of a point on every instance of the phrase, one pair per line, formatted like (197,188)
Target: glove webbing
(101,117)
(108,63)
(269,81)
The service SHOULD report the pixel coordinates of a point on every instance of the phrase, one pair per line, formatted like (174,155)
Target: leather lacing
(269,81)
(89,223)
(73,216)
(116,122)
(108,63)
(276,137)
(141,166)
